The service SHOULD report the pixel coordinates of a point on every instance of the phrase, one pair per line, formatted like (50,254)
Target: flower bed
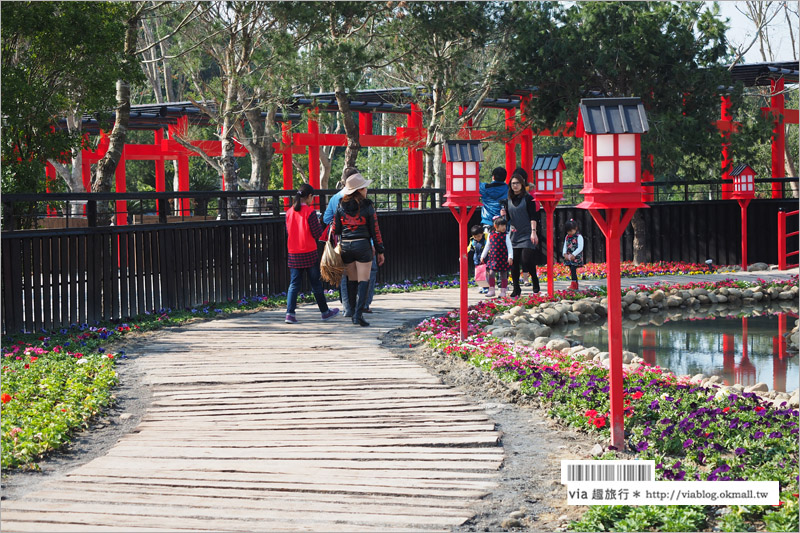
(689,433)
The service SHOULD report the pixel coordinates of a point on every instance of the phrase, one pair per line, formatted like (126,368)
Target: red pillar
(511,143)
(161,185)
(50,178)
(526,142)
(286,140)
(778,136)
(743,208)
(779,361)
(313,148)
(648,177)
(415,163)
(648,346)
(463,214)
(120,186)
(549,210)
(613,225)
(183,183)
(727,183)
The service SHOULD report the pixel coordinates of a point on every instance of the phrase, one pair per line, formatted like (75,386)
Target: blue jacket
(330,210)
(491,195)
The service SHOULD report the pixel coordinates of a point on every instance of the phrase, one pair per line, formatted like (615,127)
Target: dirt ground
(529,495)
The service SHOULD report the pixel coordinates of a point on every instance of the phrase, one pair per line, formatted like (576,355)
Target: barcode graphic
(578,471)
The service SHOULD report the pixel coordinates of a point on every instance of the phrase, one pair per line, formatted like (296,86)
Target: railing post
(163,207)
(91,213)
(782,262)
(8,216)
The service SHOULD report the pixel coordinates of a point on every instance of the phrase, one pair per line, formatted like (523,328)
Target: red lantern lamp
(463,160)
(548,170)
(463,165)
(612,152)
(743,182)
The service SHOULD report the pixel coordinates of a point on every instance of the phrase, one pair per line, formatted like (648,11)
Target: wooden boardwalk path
(257,425)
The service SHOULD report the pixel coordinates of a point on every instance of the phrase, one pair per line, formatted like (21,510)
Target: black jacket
(353,221)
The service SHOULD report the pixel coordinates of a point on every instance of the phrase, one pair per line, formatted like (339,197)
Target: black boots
(361,302)
(352,289)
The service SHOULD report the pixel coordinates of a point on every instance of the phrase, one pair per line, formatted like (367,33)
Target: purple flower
(775,435)
(665,421)
(687,443)
(739,451)
(680,476)
(642,446)
(536,383)
(654,405)
(646,432)
(757,435)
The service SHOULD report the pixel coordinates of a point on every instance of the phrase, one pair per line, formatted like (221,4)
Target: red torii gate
(412,137)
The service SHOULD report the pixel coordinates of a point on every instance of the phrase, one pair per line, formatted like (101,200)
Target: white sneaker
(490,294)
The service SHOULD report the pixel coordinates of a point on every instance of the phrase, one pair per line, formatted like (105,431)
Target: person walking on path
(302,232)
(573,251)
(356,223)
(476,245)
(523,215)
(498,256)
(327,218)
(491,196)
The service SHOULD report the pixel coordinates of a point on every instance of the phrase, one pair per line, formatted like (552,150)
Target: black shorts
(359,250)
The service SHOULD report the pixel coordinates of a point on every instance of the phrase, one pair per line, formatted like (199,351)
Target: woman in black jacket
(522,212)
(356,222)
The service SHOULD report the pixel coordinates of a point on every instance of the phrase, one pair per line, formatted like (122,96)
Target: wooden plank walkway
(257,425)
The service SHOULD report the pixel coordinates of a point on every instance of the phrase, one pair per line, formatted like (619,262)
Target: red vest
(299,239)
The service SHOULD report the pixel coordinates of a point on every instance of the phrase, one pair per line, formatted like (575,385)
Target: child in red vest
(498,256)
(303,230)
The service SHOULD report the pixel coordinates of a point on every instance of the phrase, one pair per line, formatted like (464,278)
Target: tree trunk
(639,238)
(107,166)
(325,175)
(350,128)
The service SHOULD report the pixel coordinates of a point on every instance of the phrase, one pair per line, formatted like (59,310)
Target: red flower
(590,413)
(637,395)
(760,409)
(599,422)
(111,356)
(726,409)
(33,359)
(5,398)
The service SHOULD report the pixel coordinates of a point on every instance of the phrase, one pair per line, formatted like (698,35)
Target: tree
(674,67)
(58,59)
(450,54)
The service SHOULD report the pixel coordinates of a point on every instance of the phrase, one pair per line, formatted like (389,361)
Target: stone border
(534,327)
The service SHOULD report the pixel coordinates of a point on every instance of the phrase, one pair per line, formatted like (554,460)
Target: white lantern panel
(549,185)
(471,184)
(458,184)
(605,145)
(549,175)
(458,168)
(605,172)
(558,180)
(627,171)
(471,169)
(539,185)
(627,144)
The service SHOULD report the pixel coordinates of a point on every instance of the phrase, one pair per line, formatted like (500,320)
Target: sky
(742,31)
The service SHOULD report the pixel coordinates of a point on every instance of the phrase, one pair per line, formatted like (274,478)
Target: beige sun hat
(354,183)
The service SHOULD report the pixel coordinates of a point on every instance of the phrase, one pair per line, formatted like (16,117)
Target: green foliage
(50,395)
(642,518)
(56,56)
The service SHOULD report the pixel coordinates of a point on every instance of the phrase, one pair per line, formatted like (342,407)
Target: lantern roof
(740,169)
(547,162)
(463,150)
(613,115)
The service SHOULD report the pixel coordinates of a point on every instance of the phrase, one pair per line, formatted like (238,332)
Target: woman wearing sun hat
(356,223)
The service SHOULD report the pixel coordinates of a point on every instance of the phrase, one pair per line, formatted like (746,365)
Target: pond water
(738,350)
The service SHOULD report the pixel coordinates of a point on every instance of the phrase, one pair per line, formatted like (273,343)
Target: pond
(739,350)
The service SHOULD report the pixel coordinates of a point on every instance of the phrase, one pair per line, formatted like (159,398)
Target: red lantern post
(743,191)
(462,159)
(612,192)
(548,170)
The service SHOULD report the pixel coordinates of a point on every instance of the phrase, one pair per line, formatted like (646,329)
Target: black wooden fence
(55,278)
